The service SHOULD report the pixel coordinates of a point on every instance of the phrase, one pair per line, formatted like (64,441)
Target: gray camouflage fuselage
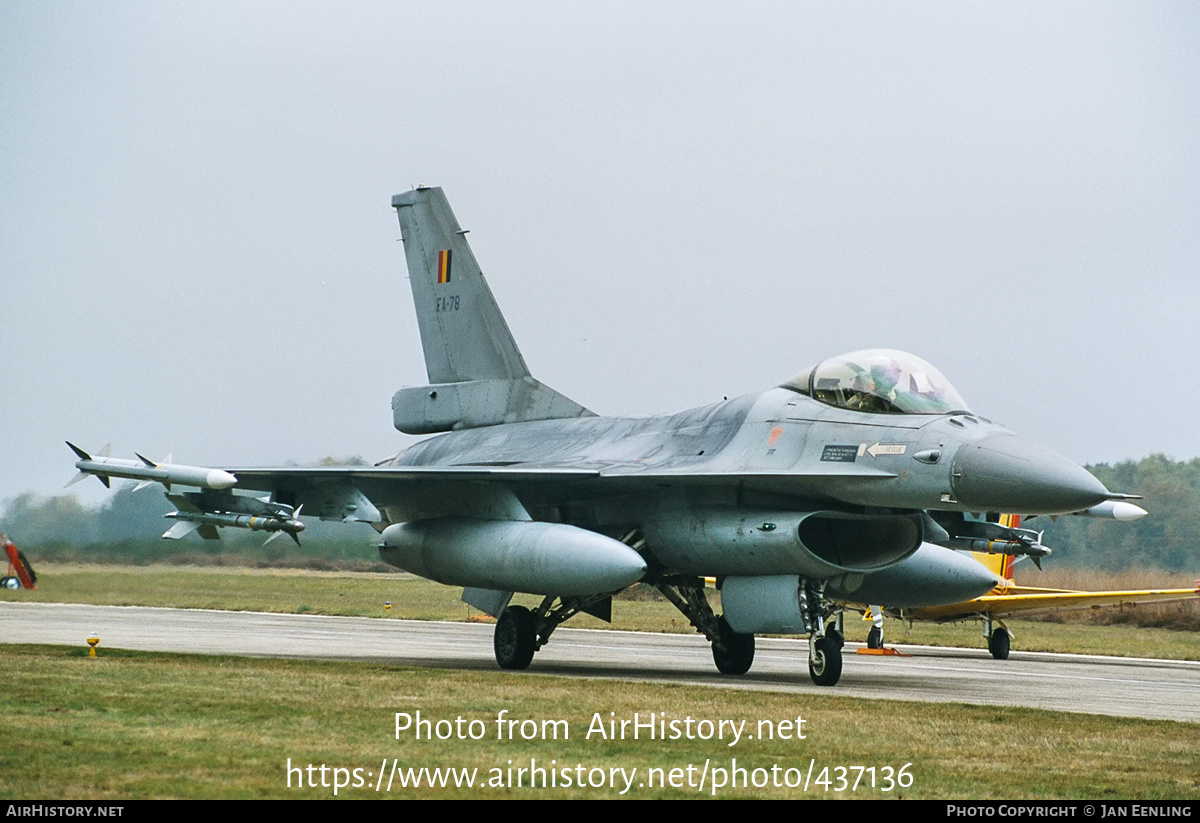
(670,476)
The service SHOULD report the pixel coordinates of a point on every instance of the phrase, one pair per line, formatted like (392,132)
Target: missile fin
(182,528)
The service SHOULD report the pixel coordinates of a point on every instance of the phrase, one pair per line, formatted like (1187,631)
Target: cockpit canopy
(881,381)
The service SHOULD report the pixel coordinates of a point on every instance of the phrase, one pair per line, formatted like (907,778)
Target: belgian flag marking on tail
(443,266)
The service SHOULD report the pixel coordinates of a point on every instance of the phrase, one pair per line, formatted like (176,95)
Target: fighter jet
(793,499)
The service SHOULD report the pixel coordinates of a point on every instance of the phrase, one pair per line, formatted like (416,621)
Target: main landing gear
(516,638)
(733,652)
(520,632)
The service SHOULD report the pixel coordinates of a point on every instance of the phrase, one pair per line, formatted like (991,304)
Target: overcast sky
(673,202)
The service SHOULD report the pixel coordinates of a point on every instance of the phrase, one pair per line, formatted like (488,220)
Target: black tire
(515,639)
(836,637)
(998,644)
(825,662)
(875,638)
(734,654)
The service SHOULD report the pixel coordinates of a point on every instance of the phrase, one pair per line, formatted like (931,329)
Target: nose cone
(1006,473)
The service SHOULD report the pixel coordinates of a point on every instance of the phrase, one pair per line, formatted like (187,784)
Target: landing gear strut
(999,642)
(825,641)
(875,636)
(733,653)
(824,661)
(520,632)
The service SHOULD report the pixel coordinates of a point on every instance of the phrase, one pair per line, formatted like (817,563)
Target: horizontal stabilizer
(468,405)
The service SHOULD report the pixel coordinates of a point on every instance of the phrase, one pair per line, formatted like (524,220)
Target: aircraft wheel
(998,644)
(515,639)
(836,637)
(825,662)
(10,582)
(735,653)
(875,638)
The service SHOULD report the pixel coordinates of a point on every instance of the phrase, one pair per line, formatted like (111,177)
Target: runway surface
(1126,687)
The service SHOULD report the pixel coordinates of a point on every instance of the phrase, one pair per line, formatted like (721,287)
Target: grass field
(136,725)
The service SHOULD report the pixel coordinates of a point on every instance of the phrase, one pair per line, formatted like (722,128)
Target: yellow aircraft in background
(1009,599)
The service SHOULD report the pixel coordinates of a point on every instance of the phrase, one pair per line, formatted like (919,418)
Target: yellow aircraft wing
(1005,602)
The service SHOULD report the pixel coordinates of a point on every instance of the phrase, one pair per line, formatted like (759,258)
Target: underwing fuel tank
(507,555)
(931,576)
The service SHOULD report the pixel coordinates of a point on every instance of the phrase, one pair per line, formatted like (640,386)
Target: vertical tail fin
(998,564)
(477,374)
(462,330)
(1001,564)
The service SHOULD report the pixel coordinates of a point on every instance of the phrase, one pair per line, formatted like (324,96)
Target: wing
(1024,600)
(389,493)
(398,493)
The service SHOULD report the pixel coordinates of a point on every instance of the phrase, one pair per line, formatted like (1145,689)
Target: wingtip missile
(148,471)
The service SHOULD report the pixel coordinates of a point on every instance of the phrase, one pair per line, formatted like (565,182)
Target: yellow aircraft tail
(1001,564)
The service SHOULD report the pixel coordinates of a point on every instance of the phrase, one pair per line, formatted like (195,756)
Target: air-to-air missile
(258,523)
(147,471)
(203,512)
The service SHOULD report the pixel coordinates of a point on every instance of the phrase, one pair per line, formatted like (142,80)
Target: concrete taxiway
(1125,687)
